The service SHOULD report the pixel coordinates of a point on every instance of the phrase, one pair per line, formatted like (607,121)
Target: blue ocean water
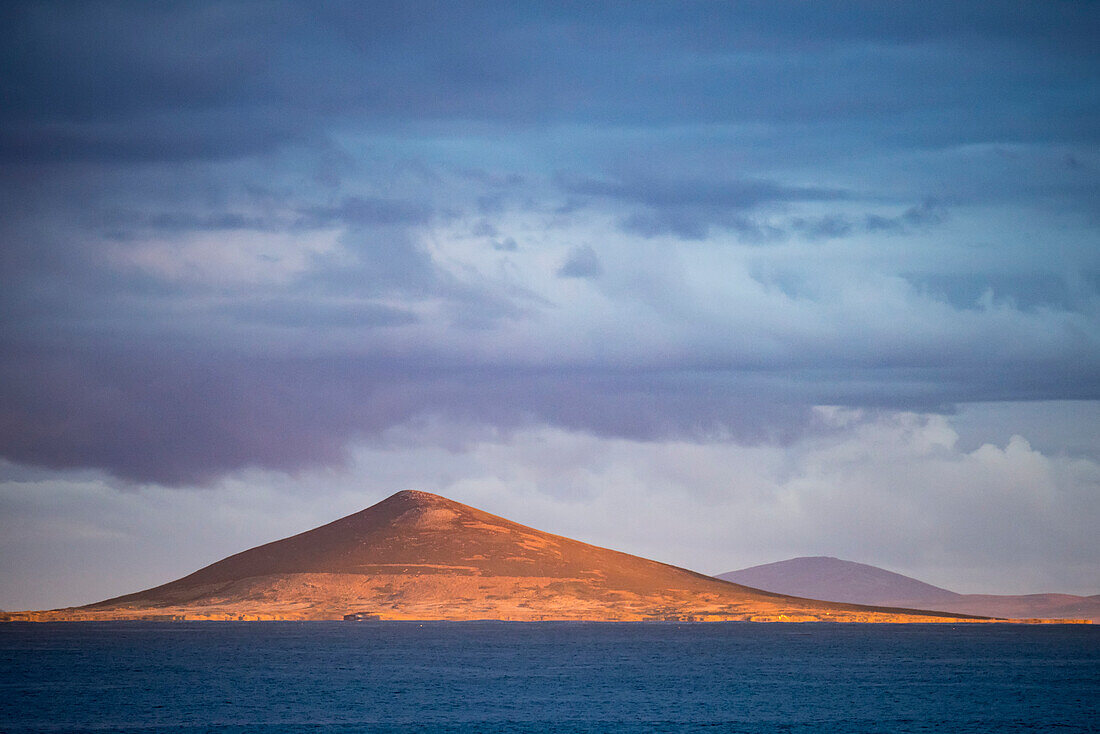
(559,677)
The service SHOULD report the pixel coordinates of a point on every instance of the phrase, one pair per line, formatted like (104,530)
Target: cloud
(243,329)
(315,313)
(684,226)
(582,262)
(722,194)
(689,208)
(239,236)
(120,224)
(132,82)
(823,227)
(203,137)
(483,228)
(183,416)
(1028,292)
(832,226)
(359,211)
(927,213)
(887,488)
(882,487)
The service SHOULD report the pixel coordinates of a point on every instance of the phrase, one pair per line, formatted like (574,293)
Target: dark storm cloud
(171,309)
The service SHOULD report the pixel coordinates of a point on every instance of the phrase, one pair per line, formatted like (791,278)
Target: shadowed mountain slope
(822,577)
(420,556)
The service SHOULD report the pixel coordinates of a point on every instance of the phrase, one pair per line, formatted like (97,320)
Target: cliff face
(420,556)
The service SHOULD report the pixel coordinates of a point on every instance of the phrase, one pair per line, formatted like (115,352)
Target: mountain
(822,577)
(420,556)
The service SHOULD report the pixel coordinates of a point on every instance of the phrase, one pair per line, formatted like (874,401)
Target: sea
(265,677)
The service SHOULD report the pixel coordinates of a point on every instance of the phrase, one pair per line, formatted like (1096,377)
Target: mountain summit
(417,555)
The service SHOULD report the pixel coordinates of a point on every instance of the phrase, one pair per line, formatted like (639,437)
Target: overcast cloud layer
(257,237)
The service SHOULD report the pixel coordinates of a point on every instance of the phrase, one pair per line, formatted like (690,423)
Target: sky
(715,283)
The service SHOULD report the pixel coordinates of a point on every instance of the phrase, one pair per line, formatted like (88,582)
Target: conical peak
(417,555)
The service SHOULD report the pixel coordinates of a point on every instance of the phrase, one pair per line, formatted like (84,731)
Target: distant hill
(420,556)
(823,577)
